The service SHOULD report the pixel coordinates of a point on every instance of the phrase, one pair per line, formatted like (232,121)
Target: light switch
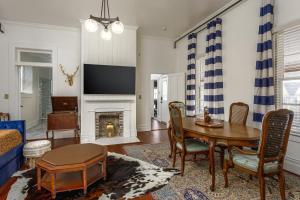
(6,96)
(140,96)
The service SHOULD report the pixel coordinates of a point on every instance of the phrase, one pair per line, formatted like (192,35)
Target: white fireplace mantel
(94,50)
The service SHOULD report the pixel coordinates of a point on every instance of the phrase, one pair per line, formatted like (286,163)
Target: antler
(62,69)
(76,71)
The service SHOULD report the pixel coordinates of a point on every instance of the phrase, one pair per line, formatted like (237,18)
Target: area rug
(194,185)
(127,178)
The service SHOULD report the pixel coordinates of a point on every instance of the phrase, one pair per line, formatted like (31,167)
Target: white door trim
(13,73)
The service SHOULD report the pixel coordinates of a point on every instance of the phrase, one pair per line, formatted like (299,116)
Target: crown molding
(41,26)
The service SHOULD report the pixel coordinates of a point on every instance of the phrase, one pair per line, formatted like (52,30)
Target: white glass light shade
(117,27)
(91,25)
(106,34)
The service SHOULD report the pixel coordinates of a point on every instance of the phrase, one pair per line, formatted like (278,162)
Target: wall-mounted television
(108,79)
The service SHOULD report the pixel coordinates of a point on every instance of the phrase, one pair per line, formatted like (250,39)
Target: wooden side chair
(238,115)
(181,106)
(269,159)
(182,144)
(4,116)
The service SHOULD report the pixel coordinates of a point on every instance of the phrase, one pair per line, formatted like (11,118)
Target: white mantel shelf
(109,98)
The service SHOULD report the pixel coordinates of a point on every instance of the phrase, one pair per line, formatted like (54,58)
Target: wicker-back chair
(238,113)
(4,116)
(182,108)
(269,159)
(181,144)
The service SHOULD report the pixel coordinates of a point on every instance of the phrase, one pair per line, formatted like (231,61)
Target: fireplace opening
(109,124)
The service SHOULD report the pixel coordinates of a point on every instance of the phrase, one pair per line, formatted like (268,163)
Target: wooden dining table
(229,135)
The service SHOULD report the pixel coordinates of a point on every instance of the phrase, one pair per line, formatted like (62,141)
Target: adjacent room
(158,100)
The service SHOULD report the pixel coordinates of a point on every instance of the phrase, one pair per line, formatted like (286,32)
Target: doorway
(35,80)
(158,101)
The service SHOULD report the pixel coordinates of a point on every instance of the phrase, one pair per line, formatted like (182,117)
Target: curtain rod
(204,23)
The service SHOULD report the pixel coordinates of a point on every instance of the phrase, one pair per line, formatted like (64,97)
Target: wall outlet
(6,96)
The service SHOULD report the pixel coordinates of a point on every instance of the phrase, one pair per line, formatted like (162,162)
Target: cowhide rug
(127,178)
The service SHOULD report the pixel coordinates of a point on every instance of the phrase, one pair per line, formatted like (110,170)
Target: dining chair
(180,142)
(4,116)
(181,106)
(268,160)
(238,114)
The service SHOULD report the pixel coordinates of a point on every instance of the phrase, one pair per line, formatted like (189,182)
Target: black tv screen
(108,79)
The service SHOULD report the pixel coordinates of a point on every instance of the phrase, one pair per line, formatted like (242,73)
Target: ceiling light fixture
(107,22)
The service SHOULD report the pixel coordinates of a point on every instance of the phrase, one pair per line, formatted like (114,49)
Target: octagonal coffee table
(71,167)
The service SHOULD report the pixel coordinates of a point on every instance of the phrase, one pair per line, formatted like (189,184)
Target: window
(200,66)
(26,79)
(287,77)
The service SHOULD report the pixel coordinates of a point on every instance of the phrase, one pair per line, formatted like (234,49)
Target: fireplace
(108,124)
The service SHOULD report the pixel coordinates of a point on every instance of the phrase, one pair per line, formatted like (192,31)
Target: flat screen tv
(108,79)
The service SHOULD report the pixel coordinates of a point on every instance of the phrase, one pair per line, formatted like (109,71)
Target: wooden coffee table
(71,167)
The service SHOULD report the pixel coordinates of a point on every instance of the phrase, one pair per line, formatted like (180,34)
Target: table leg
(53,190)
(104,169)
(84,176)
(38,176)
(212,163)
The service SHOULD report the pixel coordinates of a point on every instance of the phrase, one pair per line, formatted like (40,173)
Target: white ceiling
(150,15)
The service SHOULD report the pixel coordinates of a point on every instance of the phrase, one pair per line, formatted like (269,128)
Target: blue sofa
(12,161)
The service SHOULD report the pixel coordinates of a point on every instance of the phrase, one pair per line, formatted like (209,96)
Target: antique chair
(238,115)
(4,116)
(180,142)
(64,116)
(181,106)
(269,159)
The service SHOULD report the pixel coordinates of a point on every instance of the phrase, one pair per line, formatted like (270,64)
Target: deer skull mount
(70,77)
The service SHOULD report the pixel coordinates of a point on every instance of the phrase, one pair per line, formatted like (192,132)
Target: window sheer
(200,64)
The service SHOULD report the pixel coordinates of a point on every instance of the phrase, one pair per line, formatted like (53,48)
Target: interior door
(164,99)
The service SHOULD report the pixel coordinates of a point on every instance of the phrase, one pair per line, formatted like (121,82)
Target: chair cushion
(193,145)
(251,162)
(9,139)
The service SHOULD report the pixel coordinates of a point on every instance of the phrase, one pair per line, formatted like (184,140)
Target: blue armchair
(12,161)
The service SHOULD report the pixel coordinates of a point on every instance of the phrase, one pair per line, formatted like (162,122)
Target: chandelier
(109,24)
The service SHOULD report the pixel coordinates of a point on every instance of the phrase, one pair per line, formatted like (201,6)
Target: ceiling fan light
(91,25)
(117,27)
(106,34)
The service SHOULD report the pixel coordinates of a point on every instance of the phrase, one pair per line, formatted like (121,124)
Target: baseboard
(292,165)
(143,127)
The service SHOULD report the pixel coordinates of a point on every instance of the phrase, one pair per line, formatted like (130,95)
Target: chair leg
(282,184)
(170,140)
(182,163)
(262,187)
(225,173)
(222,157)
(174,154)
(195,157)
(47,134)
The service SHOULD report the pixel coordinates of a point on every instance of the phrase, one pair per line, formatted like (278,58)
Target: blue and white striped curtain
(213,76)
(264,80)
(191,76)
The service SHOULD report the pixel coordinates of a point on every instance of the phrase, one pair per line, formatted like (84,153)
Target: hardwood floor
(152,137)
(157,125)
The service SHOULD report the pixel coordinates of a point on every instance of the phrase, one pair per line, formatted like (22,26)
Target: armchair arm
(243,151)
(18,124)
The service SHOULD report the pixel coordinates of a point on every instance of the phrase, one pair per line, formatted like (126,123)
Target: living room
(98,61)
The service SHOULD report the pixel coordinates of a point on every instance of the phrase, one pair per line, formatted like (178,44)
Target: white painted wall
(66,43)
(155,56)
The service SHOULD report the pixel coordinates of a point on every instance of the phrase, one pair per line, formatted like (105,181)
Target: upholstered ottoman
(34,150)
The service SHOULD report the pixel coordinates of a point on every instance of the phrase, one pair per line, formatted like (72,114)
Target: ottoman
(34,150)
